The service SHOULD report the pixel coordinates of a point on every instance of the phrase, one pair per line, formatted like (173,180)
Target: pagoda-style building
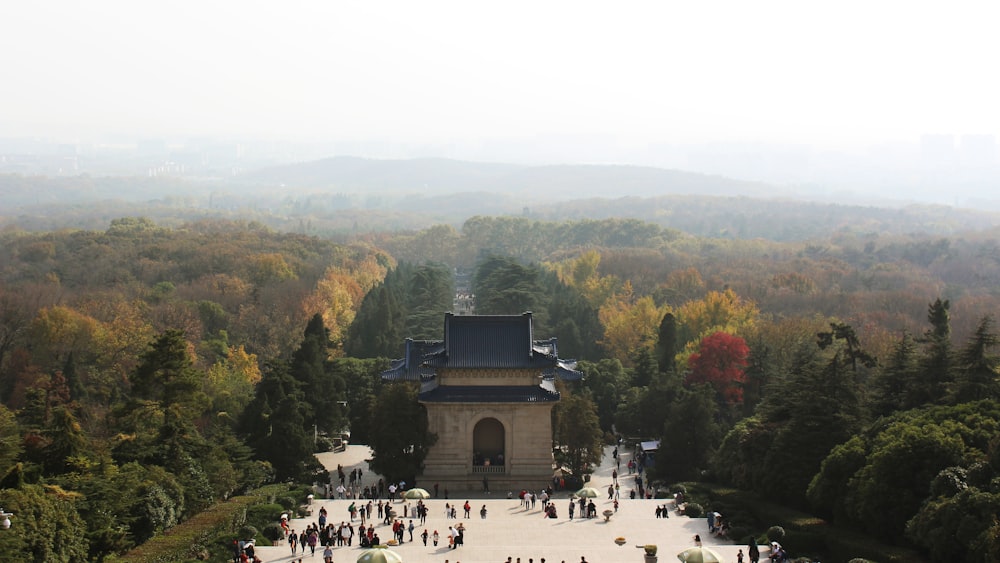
(489,391)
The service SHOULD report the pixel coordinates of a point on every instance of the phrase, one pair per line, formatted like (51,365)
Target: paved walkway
(511,531)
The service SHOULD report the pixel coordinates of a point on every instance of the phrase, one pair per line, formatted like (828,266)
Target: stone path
(511,531)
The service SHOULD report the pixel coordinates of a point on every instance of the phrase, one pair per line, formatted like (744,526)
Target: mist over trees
(348,197)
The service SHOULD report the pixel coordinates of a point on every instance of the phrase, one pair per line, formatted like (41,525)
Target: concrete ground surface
(511,531)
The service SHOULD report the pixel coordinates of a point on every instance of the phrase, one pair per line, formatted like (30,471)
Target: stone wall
(528,462)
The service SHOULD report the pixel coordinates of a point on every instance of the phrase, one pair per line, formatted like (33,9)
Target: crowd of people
(379,504)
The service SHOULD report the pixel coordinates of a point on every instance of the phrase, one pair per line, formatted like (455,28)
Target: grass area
(206,536)
(806,535)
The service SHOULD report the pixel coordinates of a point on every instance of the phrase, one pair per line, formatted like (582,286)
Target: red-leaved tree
(720,361)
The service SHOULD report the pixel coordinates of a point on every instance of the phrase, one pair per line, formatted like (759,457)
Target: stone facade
(488,388)
(527,461)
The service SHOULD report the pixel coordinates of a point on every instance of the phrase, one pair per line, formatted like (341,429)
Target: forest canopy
(173,362)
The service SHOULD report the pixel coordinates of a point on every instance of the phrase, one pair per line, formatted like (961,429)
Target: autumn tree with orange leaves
(721,361)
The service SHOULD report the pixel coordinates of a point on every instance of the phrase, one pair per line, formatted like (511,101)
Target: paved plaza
(511,531)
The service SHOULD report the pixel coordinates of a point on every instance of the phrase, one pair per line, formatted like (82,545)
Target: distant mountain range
(432,176)
(348,195)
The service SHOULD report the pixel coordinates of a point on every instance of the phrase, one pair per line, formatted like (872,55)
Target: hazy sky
(828,72)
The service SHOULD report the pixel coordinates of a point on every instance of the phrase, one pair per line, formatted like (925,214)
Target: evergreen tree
(934,376)
(691,432)
(807,412)
(666,343)
(607,382)
(642,411)
(398,433)
(275,424)
(47,527)
(409,303)
(853,354)
(758,373)
(166,394)
(165,373)
(430,293)
(572,319)
(891,386)
(65,439)
(182,449)
(903,470)
(645,369)
(377,329)
(323,388)
(10,441)
(167,413)
(977,370)
(363,380)
(580,440)
(505,287)
(77,391)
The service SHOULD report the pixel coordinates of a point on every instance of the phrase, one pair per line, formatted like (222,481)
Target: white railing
(488,469)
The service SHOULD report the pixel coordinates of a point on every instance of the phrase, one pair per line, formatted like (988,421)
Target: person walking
(311,541)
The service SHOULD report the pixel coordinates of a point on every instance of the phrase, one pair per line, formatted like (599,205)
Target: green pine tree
(977,373)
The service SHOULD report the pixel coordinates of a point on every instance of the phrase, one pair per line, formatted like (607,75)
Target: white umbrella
(417,493)
(379,555)
(700,555)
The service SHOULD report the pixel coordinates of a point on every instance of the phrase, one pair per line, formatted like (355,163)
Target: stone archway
(488,442)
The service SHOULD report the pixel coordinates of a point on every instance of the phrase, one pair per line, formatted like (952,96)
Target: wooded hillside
(159,360)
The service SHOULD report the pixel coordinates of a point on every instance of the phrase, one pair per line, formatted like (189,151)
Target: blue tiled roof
(410,367)
(564,370)
(489,394)
(482,342)
(490,341)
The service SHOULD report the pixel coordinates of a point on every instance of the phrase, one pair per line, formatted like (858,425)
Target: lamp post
(5,519)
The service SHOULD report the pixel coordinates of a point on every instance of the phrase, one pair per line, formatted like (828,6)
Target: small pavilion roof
(410,367)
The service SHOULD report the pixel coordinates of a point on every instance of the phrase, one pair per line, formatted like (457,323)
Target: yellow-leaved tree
(56,332)
(269,268)
(371,270)
(630,323)
(718,311)
(231,380)
(582,274)
(339,293)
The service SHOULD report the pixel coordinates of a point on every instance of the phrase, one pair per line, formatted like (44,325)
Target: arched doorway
(488,443)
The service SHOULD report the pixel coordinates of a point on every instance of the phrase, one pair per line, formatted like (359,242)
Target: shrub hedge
(209,532)
(805,534)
